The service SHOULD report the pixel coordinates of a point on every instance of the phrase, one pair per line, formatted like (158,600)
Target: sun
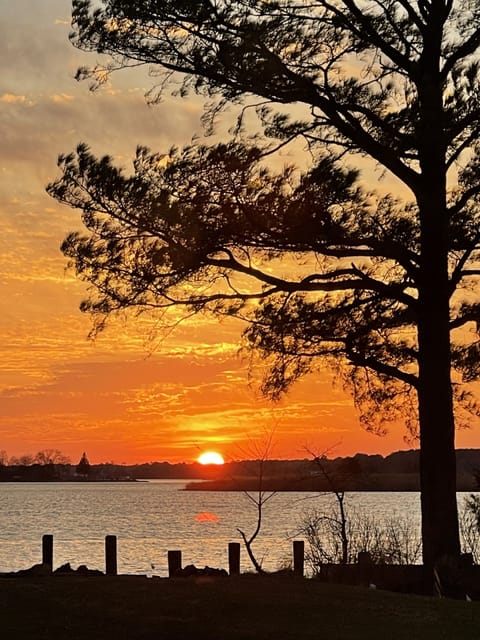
(210,457)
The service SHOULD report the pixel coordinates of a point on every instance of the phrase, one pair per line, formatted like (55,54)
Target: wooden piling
(47,550)
(111,555)
(174,563)
(298,558)
(234,558)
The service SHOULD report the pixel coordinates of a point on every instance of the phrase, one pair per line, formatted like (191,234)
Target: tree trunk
(437,434)
(440,534)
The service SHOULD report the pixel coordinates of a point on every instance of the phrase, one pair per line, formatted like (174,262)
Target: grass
(244,608)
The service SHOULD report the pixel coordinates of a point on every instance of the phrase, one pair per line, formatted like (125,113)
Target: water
(150,518)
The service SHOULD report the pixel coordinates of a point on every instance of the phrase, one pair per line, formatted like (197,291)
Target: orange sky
(126,397)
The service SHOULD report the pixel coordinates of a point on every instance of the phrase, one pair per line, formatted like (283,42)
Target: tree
(339,521)
(385,287)
(260,451)
(83,467)
(51,456)
(25,460)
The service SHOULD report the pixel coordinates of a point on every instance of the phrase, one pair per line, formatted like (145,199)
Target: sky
(131,395)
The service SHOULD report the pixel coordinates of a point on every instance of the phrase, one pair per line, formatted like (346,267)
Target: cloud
(61,97)
(10,98)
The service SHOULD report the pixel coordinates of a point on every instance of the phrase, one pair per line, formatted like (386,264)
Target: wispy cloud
(10,98)
(61,97)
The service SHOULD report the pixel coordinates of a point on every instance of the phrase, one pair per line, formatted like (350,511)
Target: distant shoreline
(410,484)
(69,480)
(398,471)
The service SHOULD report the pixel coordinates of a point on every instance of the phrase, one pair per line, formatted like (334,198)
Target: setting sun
(210,457)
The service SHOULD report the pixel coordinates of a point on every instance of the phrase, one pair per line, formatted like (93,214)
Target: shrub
(392,540)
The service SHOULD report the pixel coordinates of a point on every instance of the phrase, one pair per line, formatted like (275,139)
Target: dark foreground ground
(248,607)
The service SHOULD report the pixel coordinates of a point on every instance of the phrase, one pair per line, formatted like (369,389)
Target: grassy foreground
(248,607)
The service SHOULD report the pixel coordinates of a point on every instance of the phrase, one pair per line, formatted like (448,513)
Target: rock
(82,570)
(64,568)
(191,570)
(37,570)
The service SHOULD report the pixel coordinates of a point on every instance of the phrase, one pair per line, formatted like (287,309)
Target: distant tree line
(53,465)
(398,471)
(43,457)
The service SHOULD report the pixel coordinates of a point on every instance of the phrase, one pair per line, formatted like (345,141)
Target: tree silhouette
(384,287)
(83,467)
(51,456)
(258,453)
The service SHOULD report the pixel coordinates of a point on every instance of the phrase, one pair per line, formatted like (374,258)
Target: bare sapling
(262,451)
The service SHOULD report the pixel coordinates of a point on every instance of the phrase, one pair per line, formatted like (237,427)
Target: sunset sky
(130,396)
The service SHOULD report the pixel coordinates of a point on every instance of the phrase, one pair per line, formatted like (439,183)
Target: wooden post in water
(47,550)
(234,558)
(174,563)
(298,558)
(111,555)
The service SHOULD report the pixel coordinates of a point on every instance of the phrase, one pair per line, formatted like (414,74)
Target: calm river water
(152,517)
